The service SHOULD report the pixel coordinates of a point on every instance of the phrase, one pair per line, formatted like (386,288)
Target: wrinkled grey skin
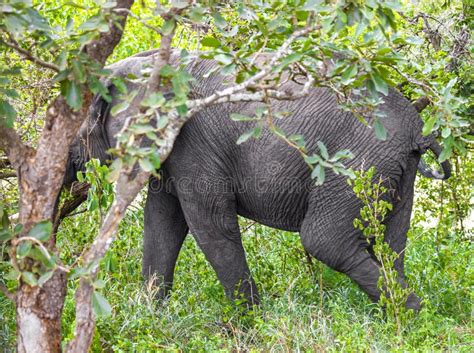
(208,180)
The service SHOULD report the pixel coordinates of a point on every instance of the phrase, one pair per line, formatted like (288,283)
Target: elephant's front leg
(165,231)
(212,220)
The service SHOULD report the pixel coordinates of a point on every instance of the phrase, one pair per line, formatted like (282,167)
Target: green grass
(297,313)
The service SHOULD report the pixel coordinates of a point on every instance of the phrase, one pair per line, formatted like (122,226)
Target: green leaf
(4,220)
(23,249)
(120,107)
(428,127)
(298,140)
(446,132)
(99,284)
(380,131)
(92,205)
(245,136)
(146,165)
(167,71)
(42,255)
(414,40)
(154,100)
(120,84)
(313,159)
(72,93)
(7,114)
(141,128)
(219,20)
(240,117)
(100,305)
(15,24)
(312,5)
(445,154)
(343,154)
(162,121)
(228,70)
(41,230)
(168,27)
(29,278)
(78,70)
(348,172)
(380,85)
(77,272)
(323,149)
(5,235)
(224,59)
(12,275)
(44,278)
(210,42)
(318,173)
(196,14)
(348,74)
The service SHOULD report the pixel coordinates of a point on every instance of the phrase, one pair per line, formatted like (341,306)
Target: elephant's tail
(426,171)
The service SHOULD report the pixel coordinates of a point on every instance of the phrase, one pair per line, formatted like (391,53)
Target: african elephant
(208,180)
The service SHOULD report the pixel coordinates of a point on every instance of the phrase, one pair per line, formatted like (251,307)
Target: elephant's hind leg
(212,219)
(397,226)
(329,235)
(165,231)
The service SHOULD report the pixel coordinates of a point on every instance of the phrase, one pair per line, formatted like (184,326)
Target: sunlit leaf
(100,305)
(41,230)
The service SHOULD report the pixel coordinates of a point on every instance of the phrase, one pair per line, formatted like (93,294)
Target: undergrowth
(296,314)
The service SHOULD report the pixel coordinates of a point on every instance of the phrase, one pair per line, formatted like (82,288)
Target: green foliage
(372,214)
(101,192)
(292,317)
(441,58)
(59,48)
(305,306)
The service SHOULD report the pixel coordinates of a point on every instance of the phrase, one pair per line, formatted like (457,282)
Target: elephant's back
(269,179)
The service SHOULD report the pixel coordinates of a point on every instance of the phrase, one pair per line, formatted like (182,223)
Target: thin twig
(141,20)
(6,292)
(29,56)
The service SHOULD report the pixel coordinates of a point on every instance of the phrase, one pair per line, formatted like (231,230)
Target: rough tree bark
(40,174)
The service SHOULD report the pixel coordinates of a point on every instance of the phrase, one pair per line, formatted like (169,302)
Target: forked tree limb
(128,186)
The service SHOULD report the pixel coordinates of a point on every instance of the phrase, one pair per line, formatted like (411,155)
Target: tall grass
(305,305)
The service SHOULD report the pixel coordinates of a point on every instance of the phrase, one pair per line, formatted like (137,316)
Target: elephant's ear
(97,140)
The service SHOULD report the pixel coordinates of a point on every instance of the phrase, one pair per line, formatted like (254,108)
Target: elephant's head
(91,141)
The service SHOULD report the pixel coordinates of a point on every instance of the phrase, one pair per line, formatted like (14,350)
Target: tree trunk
(38,315)
(40,176)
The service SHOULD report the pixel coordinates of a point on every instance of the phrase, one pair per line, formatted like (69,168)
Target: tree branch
(101,48)
(229,94)
(29,56)
(127,189)
(6,292)
(16,150)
